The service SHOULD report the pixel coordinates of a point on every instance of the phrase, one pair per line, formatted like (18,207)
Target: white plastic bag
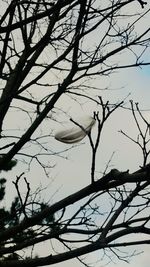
(76,133)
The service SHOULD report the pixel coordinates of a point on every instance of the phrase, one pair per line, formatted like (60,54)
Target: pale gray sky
(74,173)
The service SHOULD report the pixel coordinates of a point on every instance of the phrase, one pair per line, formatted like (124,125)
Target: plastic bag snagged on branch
(76,132)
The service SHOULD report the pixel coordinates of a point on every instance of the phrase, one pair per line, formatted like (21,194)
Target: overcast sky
(74,173)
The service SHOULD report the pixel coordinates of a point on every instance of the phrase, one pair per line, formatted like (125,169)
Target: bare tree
(55,48)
